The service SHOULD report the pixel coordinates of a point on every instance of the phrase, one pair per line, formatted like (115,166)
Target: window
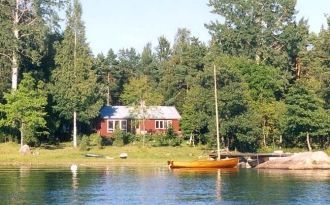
(124,125)
(163,124)
(110,125)
(117,124)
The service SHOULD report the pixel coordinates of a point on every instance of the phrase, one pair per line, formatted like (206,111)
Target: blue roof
(151,112)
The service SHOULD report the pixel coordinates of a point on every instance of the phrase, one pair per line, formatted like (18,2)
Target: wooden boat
(222,163)
(219,163)
(94,155)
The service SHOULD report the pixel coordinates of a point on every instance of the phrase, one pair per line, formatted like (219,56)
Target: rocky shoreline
(299,161)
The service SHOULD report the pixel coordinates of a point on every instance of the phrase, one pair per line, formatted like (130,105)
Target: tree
(163,49)
(23,27)
(140,95)
(196,111)
(138,90)
(25,109)
(305,116)
(74,83)
(264,31)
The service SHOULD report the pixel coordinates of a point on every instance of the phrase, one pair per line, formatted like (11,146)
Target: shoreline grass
(65,155)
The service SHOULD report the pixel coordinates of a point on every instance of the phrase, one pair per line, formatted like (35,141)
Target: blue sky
(120,24)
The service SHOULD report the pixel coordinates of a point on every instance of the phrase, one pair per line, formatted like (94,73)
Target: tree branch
(7,56)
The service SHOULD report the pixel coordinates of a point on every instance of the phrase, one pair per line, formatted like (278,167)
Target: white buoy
(74,167)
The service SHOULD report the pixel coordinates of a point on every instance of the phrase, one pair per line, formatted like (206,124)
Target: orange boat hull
(223,163)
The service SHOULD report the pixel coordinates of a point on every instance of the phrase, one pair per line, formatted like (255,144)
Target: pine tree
(74,83)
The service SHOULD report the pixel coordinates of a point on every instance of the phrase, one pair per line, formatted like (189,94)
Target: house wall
(149,127)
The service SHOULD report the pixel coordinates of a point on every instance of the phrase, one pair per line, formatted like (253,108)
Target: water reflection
(24,171)
(306,175)
(218,186)
(158,185)
(74,179)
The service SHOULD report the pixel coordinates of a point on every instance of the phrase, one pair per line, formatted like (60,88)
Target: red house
(151,119)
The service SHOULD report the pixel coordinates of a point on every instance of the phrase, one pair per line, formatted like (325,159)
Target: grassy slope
(64,155)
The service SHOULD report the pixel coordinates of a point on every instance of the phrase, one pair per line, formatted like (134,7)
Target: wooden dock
(253,159)
(250,155)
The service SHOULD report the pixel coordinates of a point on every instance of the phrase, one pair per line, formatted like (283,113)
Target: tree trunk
(74,129)
(22,134)
(192,140)
(14,75)
(108,95)
(264,132)
(308,142)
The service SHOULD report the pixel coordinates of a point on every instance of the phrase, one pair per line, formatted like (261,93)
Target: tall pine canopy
(74,82)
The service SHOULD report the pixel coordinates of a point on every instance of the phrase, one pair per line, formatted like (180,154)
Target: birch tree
(23,27)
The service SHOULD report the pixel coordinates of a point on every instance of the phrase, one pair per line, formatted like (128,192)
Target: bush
(173,139)
(160,139)
(166,139)
(122,138)
(128,138)
(84,143)
(118,136)
(96,140)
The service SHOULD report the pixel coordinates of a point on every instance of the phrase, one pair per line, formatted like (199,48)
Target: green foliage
(25,109)
(305,115)
(264,31)
(96,140)
(273,77)
(122,138)
(196,110)
(165,139)
(139,90)
(84,144)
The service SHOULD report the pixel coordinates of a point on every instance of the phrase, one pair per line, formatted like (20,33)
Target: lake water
(158,185)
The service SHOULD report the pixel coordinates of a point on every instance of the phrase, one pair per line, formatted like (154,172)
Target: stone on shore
(123,155)
(304,160)
(25,149)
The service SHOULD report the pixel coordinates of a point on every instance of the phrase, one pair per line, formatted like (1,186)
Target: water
(158,185)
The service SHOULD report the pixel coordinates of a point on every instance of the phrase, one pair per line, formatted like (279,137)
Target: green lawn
(64,155)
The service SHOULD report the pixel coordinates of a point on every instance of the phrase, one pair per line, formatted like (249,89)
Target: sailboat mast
(216,112)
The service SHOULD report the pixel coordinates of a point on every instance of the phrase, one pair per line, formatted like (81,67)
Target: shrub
(96,140)
(84,143)
(118,136)
(160,139)
(128,138)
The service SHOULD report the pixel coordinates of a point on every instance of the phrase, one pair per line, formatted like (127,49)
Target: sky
(118,24)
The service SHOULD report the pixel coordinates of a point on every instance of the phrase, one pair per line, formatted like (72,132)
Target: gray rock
(304,160)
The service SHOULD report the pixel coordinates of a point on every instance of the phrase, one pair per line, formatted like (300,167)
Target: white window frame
(165,124)
(114,122)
